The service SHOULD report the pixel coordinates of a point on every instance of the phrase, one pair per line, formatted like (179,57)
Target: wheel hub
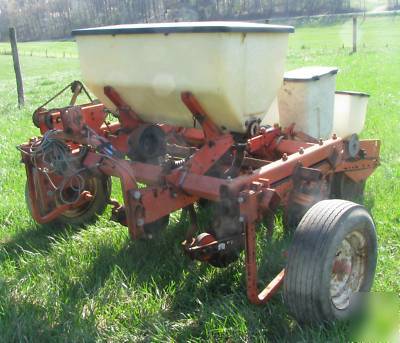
(348,269)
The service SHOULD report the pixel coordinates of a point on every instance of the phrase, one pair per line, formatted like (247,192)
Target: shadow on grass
(34,238)
(202,293)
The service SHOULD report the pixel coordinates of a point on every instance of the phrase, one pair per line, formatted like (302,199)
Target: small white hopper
(350,112)
(233,69)
(307,100)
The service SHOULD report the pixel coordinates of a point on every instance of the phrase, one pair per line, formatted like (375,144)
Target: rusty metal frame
(257,191)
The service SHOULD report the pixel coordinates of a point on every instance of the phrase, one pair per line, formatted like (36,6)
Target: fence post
(354,34)
(17,68)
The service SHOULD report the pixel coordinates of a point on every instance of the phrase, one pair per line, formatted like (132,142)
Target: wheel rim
(91,186)
(349,266)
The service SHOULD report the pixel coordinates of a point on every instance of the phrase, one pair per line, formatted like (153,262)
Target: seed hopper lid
(184,27)
(309,73)
(353,93)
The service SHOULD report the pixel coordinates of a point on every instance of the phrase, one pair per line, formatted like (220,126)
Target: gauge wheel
(331,262)
(345,188)
(100,189)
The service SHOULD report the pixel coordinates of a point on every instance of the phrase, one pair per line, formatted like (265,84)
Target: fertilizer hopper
(233,69)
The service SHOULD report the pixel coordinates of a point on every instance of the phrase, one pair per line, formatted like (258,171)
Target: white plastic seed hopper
(233,69)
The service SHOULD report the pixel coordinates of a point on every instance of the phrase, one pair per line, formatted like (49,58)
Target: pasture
(94,284)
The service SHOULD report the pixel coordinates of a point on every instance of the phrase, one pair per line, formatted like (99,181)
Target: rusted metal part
(178,135)
(211,131)
(263,141)
(76,90)
(72,120)
(310,185)
(202,247)
(249,215)
(288,147)
(207,248)
(348,271)
(93,116)
(279,170)
(272,169)
(40,201)
(127,116)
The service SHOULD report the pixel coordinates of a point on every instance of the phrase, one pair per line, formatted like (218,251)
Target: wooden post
(354,34)
(17,68)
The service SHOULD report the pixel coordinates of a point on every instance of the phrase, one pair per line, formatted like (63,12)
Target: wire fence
(44,54)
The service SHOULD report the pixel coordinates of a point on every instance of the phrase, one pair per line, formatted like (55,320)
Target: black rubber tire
(310,260)
(345,188)
(88,212)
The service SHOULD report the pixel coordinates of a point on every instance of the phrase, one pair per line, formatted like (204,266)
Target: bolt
(140,222)
(137,195)
(284,157)
(240,200)
(301,151)
(241,219)
(174,195)
(320,142)
(334,136)
(229,178)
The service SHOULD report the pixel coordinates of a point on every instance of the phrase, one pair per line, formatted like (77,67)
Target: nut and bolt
(301,151)
(320,142)
(137,195)
(334,136)
(284,157)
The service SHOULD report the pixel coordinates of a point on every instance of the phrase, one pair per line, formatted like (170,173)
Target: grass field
(95,284)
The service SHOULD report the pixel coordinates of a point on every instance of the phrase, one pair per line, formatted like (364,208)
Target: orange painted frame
(172,190)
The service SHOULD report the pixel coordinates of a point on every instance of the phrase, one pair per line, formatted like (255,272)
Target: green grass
(95,284)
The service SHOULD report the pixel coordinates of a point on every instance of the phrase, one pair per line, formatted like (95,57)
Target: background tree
(52,19)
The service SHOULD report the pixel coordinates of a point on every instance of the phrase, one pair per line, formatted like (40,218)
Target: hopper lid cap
(309,73)
(184,27)
(352,93)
